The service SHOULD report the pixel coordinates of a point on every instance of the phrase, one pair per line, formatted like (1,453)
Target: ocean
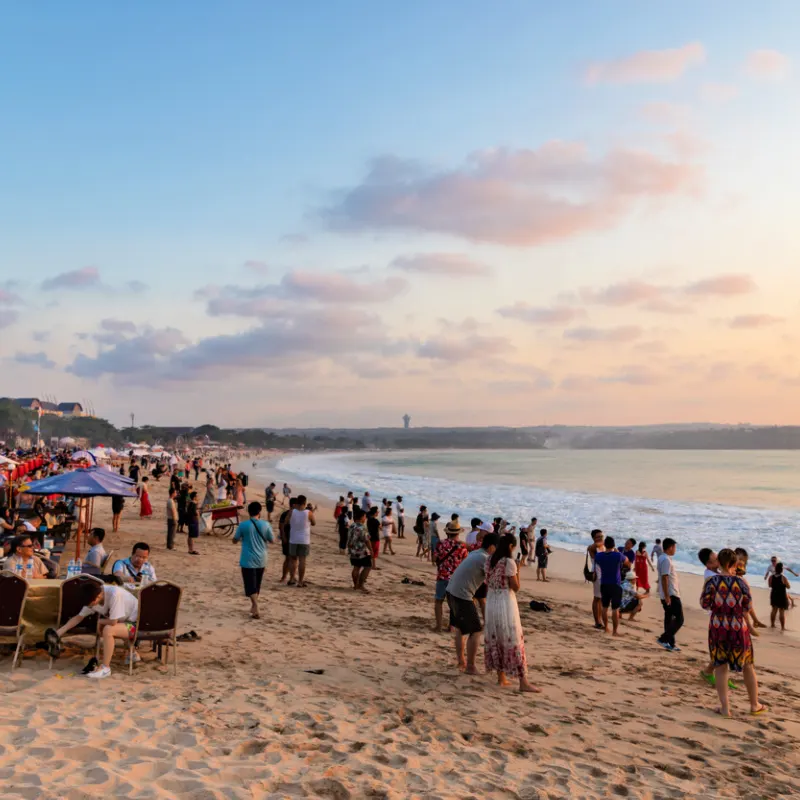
(699,498)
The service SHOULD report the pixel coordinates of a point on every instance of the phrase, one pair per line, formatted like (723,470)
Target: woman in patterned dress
(727,597)
(504,638)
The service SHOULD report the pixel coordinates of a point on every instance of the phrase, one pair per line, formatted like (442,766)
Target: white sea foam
(568,515)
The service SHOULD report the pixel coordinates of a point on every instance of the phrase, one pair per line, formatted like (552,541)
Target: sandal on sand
(291,583)
(710,679)
(761,710)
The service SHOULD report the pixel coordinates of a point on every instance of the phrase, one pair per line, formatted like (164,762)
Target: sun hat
(452,528)
(486,527)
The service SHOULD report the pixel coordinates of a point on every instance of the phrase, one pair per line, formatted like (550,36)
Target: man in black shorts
(610,563)
(270,501)
(283,531)
(461,590)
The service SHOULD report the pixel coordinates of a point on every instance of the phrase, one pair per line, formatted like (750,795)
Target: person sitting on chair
(137,566)
(22,555)
(97,553)
(118,610)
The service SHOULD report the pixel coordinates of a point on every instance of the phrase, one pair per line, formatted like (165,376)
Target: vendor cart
(224,520)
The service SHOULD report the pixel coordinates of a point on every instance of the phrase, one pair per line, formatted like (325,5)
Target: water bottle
(18,570)
(78,566)
(71,568)
(29,569)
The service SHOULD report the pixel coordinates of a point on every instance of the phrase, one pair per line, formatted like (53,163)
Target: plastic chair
(159,603)
(13,592)
(107,562)
(70,602)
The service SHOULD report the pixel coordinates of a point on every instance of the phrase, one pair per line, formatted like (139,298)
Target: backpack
(589,574)
(537,605)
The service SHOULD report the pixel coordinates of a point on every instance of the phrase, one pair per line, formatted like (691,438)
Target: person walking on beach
(388,530)
(432,539)
(172,518)
(504,637)
(284,532)
(401,520)
(117,504)
(592,573)
(462,589)
(343,523)
(301,521)
(146,508)
(727,597)
(641,567)
(192,523)
(287,494)
(359,549)
(669,592)
(255,535)
(269,499)
(542,556)
(420,528)
(657,551)
(449,554)
(374,530)
(779,596)
(610,563)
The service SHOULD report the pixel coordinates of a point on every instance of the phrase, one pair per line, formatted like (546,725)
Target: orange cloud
(767,64)
(749,321)
(722,285)
(554,315)
(618,335)
(647,66)
(453,265)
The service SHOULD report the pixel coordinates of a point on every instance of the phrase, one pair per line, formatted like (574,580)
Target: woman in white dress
(503,635)
(388,530)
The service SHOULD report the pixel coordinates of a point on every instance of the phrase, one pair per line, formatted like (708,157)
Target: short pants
(252,576)
(194,529)
(376,549)
(366,561)
(441,589)
(131,626)
(464,615)
(611,595)
(296,550)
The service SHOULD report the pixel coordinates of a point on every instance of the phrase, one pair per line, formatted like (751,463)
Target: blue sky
(171,144)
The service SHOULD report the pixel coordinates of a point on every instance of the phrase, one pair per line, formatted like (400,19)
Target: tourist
(401,520)
(779,596)
(773,562)
(504,637)
(610,563)
(447,556)
(631,602)
(708,558)
(742,559)
(192,524)
(118,609)
(210,497)
(239,495)
(374,530)
(467,579)
(96,555)
(343,522)
(420,526)
(523,554)
(269,498)
(287,494)
(432,539)
(657,551)
(669,592)
(530,531)
(339,507)
(254,534)
(117,504)
(471,539)
(628,551)
(175,481)
(222,488)
(542,556)
(137,567)
(22,556)
(146,509)
(641,567)
(727,597)
(366,502)
(284,532)
(172,517)
(133,472)
(592,573)
(301,520)
(388,530)
(359,548)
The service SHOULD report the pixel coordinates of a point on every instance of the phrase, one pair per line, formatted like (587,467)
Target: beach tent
(85,485)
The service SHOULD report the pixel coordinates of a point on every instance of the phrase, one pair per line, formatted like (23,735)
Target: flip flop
(762,710)
(711,679)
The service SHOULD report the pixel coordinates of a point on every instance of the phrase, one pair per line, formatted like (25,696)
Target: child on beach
(708,558)
(741,570)
(779,595)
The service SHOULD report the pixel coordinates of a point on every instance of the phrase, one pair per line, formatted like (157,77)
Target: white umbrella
(99,453)
(8,461)
(83,455)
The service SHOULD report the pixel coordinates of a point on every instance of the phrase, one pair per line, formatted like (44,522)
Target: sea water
(699,498)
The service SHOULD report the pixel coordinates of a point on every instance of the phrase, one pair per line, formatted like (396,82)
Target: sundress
(503,635)
(640,567)
(728,599)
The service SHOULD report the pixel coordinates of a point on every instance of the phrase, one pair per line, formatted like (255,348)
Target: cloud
(41,336)
(137,287)
(647,66)
(85,278)
(260,267)
(663,113)
(295,238)
(118,325)
(635,375)
(749,321)
(767,64)
(579,383)
(718,93)
(687,145)
(9,298)
(39,359)
(8,318)
(619,334)
(722,286)
(553,315)
(465,348)
(662,305)
(623,294)
(512,197)
(453,265)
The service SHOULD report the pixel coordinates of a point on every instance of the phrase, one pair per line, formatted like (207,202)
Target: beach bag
(589,574)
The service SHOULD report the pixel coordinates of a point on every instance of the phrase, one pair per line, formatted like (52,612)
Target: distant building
(406,421)
(71,409)
(60,410)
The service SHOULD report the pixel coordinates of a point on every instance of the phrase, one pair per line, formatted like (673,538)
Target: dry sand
(390,716)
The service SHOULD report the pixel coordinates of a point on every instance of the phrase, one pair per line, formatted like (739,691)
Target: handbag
(589,575)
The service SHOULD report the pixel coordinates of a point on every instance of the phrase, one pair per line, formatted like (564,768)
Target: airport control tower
(406,421)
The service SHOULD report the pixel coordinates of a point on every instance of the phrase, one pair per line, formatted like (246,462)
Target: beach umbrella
(7,462)
(83,455)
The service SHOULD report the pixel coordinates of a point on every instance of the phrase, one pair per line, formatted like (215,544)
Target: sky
(333,214)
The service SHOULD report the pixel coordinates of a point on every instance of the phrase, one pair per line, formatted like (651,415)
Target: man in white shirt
(118,610)
(300,523)
(771,569)
(670,595)
(471,539)
(366,502)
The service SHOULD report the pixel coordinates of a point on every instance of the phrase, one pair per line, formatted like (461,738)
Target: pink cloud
(635,375)
(647,66)
(513,197)
(718,93)
(465,348)
(749,321)
(623,294)
(619,334)
(85,278)
(338,288)
(453,265)
(554,315)
(722,285)
(767,64)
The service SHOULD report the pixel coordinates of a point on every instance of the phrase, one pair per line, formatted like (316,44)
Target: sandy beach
(333,695)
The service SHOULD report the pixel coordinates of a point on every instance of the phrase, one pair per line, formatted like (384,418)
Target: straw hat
(453,528)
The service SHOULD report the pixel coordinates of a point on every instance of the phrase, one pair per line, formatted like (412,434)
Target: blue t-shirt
(609,563)
(254,535)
